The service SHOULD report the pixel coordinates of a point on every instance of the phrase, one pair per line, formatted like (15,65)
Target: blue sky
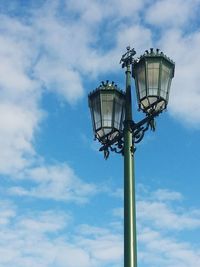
(61,203)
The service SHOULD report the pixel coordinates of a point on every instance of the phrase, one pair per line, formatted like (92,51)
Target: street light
(153,73)
(113,126)
(107,105)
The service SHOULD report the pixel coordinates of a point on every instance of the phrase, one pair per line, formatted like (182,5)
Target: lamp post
(114,128)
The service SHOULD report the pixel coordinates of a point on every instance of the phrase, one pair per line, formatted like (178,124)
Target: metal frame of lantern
(153,73)
(108,128)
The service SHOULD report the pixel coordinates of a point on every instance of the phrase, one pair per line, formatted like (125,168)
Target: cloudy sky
(61,203)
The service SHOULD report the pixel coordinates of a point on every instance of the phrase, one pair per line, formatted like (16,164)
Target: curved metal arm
(138,129)
(116,145)
(142,126)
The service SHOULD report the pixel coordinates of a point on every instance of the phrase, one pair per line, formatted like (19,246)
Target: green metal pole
(130,244)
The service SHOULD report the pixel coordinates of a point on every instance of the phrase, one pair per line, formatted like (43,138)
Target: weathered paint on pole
(130,243)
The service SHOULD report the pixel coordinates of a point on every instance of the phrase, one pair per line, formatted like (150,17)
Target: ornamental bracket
(138,131)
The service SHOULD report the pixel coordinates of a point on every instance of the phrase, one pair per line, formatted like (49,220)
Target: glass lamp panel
(96,109)
(107,109)
(100,133)
(119,112)
(161,105)
(144,103)
(153,77)
(141,81)
(152,99)
(113,135)
(165,80)
(107,130)
(147,101)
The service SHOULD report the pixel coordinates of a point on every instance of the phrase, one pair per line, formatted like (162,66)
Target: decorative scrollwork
(127,58)
(116,146)
(138,130)
(139,134)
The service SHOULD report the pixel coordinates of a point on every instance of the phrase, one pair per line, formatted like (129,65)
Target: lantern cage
(107,107)
(153,73)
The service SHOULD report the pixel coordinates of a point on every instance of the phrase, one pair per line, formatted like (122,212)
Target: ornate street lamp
(153,73)
(107,106)
(111,112)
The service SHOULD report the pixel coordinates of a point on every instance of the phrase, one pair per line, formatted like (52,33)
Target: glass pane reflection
(166,77)
(153,77)
(107,109)
(141,81)
(119,111)
(97,111)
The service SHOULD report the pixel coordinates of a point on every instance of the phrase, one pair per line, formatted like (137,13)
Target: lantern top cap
(154,53)
(106,85)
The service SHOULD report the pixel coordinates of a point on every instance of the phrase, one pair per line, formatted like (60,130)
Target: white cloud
(160,218)
(88,11)
(20,114)
(166,195)
(45,239)
(76,44)
(172,13)
(158,210)
(26,240)
(104,246)
(163,209)
(7,212)
(126,8)
(46,222)
(89,230)
(185,94)
(57,182)
(23,52)
(157,250)
(163,216)
(95,11)
(59,78)
(132,36)
(25,70)
(17,124)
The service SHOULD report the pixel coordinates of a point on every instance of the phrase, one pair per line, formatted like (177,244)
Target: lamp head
(107,107)
(153,73)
